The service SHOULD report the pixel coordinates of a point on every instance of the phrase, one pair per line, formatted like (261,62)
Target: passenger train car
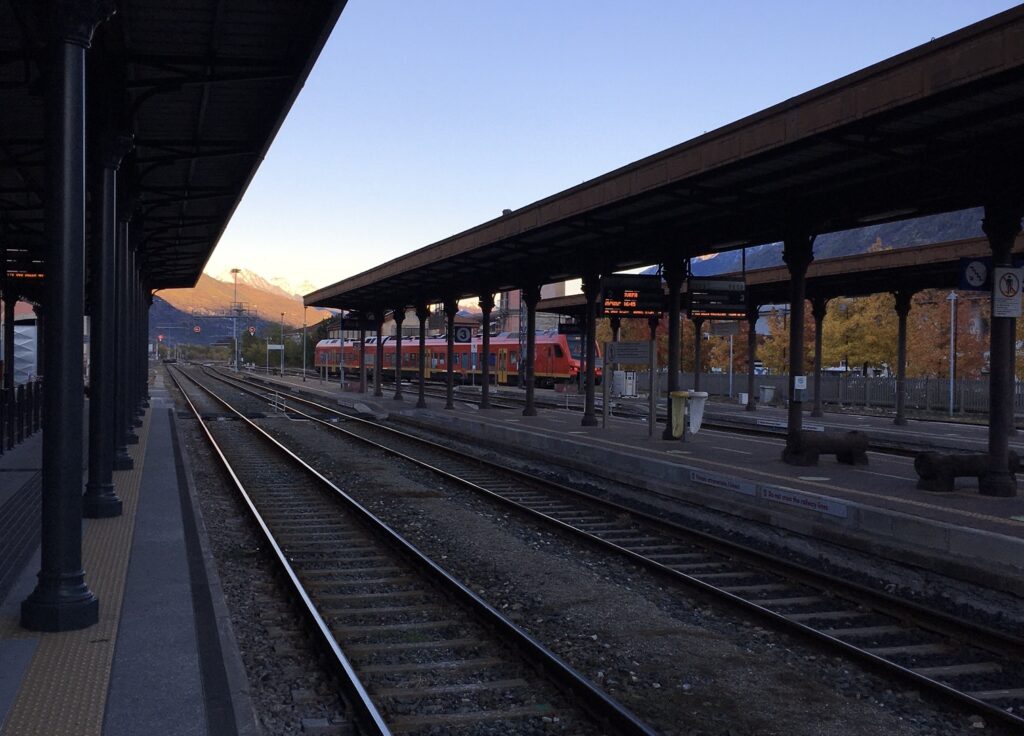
(558,358)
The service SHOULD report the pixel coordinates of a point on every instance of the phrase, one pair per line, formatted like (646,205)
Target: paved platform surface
(155,662)
(877,506)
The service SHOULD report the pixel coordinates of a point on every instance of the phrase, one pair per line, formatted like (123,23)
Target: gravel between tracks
(681,661)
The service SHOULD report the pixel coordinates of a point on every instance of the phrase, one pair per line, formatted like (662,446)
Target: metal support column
(591,287)
(819,307)
(451,306)
(698,325)
(399,316)
(674,274)
(378,355)
(753,313)
(362,354)
(903,299)
(422,314)
(530,295)
(61,600)
(10,299)
(486,305)
(797,252)
(101,500)
(122,460)
(1001,225)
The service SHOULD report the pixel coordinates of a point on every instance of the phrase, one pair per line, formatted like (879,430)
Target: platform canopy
(203,86)
(935,129)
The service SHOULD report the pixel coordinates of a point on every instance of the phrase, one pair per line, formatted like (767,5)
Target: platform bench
(850,448)
(938,471)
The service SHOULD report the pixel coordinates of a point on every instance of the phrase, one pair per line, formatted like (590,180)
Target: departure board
(629,295)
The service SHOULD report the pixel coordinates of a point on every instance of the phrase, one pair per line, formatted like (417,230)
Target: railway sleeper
(409,646)
(453,689)
(404,724)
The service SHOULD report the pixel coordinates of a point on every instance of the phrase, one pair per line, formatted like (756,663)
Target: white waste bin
(767,394)
(697,400)
(743,399)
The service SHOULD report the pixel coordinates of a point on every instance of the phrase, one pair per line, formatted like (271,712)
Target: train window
(491,360)
(558,352)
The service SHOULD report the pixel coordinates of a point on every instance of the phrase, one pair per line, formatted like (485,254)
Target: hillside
(210,297)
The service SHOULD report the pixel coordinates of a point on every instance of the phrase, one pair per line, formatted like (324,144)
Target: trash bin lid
(679,394)
(698,394)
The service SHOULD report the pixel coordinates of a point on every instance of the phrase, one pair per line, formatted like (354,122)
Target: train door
(502,365)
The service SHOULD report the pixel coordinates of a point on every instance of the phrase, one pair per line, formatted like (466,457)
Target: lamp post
(952,298)
(234,315)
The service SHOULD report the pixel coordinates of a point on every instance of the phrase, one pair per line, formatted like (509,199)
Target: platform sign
(1006,292)
(725,329)
(716,298)
(627,353)
(272,346)
(631,295)
(975,274)
(462,334)
(252,330)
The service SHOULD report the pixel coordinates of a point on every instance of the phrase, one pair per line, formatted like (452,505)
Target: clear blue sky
(422,119)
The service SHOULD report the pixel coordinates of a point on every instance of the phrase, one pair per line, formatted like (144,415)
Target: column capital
(422,310)
(798,251)
(819,307)
(398,314)
(591,285)
(451,306)
(75,21)
(486,302)
(652,324)
(903,298)
(1001,225)
(673,273)
(753,313)
(114,148)
(530,295)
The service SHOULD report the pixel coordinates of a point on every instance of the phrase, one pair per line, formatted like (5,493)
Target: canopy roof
(202,85)
(937,128)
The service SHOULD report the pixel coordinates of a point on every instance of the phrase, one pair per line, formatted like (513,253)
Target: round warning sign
(252,330)
(197,329)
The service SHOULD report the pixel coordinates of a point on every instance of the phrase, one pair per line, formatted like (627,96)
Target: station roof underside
(910,269)
(931,130)
(202,86)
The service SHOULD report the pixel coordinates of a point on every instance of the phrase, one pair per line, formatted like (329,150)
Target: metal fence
(21,413)
(923,394)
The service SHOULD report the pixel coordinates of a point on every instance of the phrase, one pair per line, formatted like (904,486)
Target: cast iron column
(362,354)
(530,295)
(674,278)
(1001,225)
(61,600)
(122,460)
(902,311)
(753,312)
(378,356)
(616,324)
(422,313)
(101,500)
(698,325)
(399,316)
(451,306)
(591,287)
(133,343)
(798,253)
(40,314)
(10,299)
(486,305)
(819,307)
(127,380)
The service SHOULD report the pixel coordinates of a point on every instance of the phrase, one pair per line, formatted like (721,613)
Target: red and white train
(558,358)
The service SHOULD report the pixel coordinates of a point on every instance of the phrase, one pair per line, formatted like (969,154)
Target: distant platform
(876,508)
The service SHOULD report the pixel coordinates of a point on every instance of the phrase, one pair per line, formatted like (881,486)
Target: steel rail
(595,700)
(912,613)
(366,712)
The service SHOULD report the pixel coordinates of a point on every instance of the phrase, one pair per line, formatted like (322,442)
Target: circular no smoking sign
(1009,285)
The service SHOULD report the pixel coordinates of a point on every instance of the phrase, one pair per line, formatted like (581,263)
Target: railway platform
(875,508)
(162,658)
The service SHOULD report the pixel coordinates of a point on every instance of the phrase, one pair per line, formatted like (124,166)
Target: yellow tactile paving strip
(65,688)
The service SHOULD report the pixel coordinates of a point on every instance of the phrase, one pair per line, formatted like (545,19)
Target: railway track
(977,666)
(415,650)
